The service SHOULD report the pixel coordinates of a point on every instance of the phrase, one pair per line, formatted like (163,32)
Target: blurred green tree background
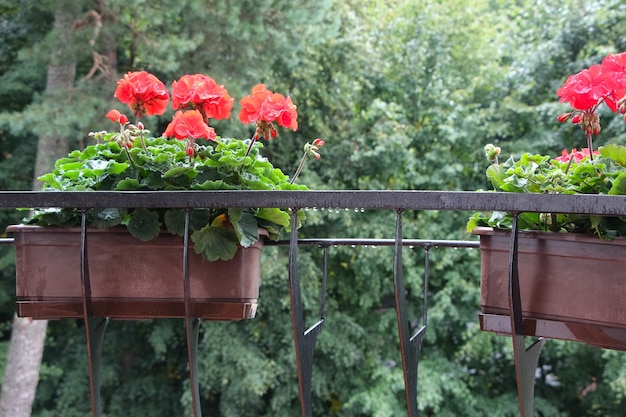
(406,93)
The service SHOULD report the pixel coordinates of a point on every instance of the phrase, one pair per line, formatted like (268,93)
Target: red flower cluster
(202,93)
(265,107)
(200,99)
(576,155)
(586,90)
(144,93)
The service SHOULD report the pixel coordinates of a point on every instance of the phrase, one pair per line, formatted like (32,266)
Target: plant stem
(569,163)
(252,140)
(299,170)
(590,145)
(130,159)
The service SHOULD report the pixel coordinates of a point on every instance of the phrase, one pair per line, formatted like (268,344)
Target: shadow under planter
(129,278)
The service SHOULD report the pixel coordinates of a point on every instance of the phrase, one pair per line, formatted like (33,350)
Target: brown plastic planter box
(573,286)
(129,278)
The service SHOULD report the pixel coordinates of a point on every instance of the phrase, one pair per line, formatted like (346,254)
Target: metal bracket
(95,337)
(526,359)
(410,344)
(192,327)
(304,340)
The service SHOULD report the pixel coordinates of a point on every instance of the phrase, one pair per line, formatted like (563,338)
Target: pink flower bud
(564,117)
(319,143)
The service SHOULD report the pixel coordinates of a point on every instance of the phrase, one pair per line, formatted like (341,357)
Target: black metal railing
(397,201)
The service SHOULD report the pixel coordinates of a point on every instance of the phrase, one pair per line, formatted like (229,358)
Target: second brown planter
(572,286)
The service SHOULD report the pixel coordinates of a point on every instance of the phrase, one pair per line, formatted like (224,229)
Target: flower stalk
(310,150)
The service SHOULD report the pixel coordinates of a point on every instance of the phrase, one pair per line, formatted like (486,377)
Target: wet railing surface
(397,201)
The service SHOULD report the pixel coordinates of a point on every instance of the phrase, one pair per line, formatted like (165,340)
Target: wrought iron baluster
(526,359)
(410,345)
(95,337)
(304,340)
(192,327)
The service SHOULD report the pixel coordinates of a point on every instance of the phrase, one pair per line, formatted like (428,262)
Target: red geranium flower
(614,68)
(577,155)
(252,104)
(144,93)
(189,124)
(202,93)
(584,91)
(265,107)
(282,110)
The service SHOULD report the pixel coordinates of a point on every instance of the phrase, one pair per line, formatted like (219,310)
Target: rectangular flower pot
(128,278)
(572,286)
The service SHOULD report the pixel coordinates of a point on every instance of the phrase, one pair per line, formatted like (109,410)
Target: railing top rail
(343,199)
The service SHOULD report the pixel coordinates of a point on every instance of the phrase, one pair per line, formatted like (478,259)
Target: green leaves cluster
(605,174)
(164,165)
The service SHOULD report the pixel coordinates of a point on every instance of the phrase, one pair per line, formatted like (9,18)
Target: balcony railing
(398,201)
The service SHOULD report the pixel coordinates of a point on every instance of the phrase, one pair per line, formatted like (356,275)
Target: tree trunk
(28,336)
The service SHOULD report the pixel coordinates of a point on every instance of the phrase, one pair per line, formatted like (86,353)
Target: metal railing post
(95,337)
(526,359)
(410,345)
(192,327)
(304,340)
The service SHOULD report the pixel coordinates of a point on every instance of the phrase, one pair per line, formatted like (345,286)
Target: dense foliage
(164,164)
(570,173)
(406,94)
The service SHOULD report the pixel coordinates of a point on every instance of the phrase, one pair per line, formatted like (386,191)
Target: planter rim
(538,234)
(31,228)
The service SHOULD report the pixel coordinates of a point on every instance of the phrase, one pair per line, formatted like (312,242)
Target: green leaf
(55,217)
(116,168)
(127,184)
(106,217)
(619,185)
(614,152)
(275,215)
(495,174)
(246,226)
(215,243)
(179,171)
(174,220)
(50,180)
(198,218)
(144,224)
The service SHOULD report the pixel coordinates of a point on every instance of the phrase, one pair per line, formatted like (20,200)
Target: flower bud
(492,152)
(319,143)
(564,117)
